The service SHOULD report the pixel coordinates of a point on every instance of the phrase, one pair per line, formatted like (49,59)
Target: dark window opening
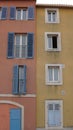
(54,41)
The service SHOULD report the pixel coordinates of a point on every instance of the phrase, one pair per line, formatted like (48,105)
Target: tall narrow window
(19,79)
(21,14)
(20,50)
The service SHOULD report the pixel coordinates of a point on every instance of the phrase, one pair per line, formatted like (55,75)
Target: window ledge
(54,83)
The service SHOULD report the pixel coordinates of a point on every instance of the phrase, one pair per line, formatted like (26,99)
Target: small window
(53,74)
(53,113)
(52,41)
(52,16)
(21,14)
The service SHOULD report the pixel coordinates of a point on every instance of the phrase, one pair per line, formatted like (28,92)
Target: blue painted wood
(10,52)
(12,13)
(15,89)
(4,13)
(30,13)
(15,119)
(30,45)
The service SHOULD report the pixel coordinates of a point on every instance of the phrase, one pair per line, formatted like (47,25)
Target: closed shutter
(30,13)
(54,115)
(30,45)
(15,80)
(22,80)
(15,119)
(4,13)
(10,45)
(12,12)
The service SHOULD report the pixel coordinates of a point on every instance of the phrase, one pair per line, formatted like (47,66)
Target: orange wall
(6,65)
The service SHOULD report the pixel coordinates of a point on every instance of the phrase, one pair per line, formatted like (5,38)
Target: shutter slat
(12,12)
(30,45)
(4,13)
(10,45)
(15,79)
(30,13)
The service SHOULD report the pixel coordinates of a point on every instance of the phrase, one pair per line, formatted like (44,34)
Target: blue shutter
(15,119)
(15,80)
(23,87)
(10,45)
(30,13)
(12,12)
(30,45)
(4,13)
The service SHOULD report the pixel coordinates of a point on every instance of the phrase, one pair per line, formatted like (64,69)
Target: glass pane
(50,42)
(0,14)
(57,106)
(18,14)
(49,16)
(24,51)
(50,106)
(50,74)
(56,76)
(54,16)
(17,50)
(21,72)
(24,40)
(17,40)
(24,14)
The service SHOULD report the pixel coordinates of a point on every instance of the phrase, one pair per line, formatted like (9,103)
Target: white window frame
(58,34)
(52,10)
(21,9)
(47,102)
(0,13)
(60,82)
(20,53)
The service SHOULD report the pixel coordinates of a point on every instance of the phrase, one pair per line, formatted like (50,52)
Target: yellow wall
(64,57)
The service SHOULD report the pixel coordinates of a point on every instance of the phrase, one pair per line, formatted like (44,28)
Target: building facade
(17,65)
(54,67)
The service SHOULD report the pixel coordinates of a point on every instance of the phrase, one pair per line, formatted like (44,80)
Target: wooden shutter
(12,12)
(30,39)
(4,13)
(10,45)
(15,119)
(30,13)
(15,80)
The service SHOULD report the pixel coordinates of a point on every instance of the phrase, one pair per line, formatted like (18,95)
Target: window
(53,74)
(52,41)
(52,16)
(19,79)
(53,114)
(20,45)
(21,14)
(20,49)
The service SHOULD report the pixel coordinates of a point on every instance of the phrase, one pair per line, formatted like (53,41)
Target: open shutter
(57,115)
(4,13)
(24,79)
(30,45)
(10,45)
(15,79)
(12,12)
(30,13)
(15,119)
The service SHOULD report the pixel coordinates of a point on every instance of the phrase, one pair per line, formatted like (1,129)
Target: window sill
(54,83)
(53,50)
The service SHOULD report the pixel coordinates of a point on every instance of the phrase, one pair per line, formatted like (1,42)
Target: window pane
(56,78)
(50,42)
(24,39)
(50,74)
(17,50)
(18,14)
(54,16)
(50,106)
(17,42)
(49,16)
(24,14)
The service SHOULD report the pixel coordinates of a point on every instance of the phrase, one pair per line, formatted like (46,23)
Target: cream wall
(65,57)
